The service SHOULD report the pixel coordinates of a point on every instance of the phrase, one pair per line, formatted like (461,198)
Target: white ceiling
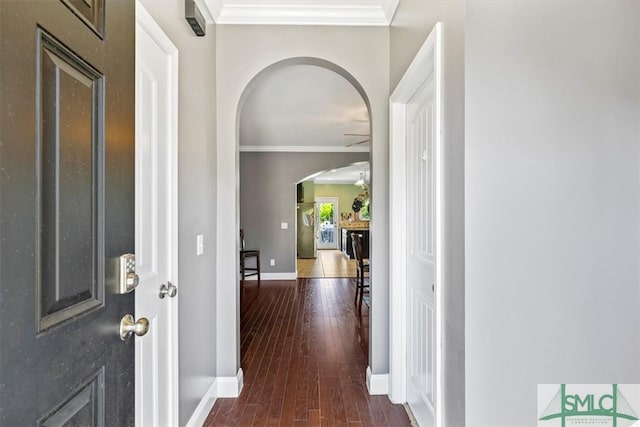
(303,108)
(299,12)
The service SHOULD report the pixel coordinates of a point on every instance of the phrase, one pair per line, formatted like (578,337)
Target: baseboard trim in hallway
(201,412)
(230,386)
(221,387)
(273,276)
(377,384)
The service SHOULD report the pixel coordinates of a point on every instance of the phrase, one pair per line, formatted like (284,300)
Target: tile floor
(329,263)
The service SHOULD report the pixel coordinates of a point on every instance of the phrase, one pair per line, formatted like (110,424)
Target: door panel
(83,407)
(91,12)
(421,254)
(66,209)
(156,207)
(70,149)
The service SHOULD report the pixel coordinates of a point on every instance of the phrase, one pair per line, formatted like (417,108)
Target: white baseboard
(220,387)
(203,409)
(274,276)
(230,386)
(377,384)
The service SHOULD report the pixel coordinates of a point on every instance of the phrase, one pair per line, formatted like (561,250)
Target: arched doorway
(294,120)
(242,70)
(275,152)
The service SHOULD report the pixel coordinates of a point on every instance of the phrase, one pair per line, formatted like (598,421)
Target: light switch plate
(284,225)
(199,244)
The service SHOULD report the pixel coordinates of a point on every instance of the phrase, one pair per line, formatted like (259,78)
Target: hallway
(304,356)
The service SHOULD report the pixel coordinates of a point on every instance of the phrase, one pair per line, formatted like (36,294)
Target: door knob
(129,326)
(168,289)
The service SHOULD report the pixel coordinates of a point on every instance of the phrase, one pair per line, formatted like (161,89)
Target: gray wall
(552,213)
(412,23)
(197,195)
(268,198)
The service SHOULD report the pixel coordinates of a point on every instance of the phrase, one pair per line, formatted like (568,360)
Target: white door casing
(411,260)
(156,222)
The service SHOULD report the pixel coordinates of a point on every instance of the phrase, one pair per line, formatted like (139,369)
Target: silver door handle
(129,326)
(169,290)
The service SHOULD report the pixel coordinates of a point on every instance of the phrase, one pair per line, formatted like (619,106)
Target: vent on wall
(194,17)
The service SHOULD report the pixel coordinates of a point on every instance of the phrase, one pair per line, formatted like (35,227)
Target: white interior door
(156,223)
(421,254)
(327,219)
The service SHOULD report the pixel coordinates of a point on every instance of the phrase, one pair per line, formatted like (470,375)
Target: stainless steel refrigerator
(306,225)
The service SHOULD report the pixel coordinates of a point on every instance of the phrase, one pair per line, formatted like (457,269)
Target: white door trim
(144,19)
(428,61)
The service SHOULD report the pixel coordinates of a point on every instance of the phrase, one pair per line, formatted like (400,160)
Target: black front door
(66,210)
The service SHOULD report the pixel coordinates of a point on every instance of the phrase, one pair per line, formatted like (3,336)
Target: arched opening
(267,207)
(296,117)
(318,62)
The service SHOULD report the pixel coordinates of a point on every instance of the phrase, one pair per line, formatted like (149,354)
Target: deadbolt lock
(125,275)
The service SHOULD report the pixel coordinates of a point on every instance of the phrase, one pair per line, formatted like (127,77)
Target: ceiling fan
(359,142)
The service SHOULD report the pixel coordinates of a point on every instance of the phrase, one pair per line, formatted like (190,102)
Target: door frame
(152,28)
(427,61)
(336,219)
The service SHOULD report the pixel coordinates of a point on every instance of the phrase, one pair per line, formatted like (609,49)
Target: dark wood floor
(304,356)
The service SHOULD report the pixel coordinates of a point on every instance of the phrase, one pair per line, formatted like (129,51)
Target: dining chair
(362,267)
(248,253)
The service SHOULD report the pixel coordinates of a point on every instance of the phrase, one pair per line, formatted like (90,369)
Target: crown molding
(301,12)
(303,149)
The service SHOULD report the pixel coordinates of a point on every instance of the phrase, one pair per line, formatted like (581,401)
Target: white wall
(244,51)
(197,195)
(552,201)
(412,22)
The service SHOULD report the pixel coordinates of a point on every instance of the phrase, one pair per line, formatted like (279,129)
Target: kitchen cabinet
(345,242)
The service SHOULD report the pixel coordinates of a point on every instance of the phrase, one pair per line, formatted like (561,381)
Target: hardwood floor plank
(262,414)
(218,416)
(395,414)
(262,363)
(248,415)
(350,407)
(361,397)
(304,356)
(234,416)
(314,417)
(301,402)
(284,346)
(289,401)
(338,415)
